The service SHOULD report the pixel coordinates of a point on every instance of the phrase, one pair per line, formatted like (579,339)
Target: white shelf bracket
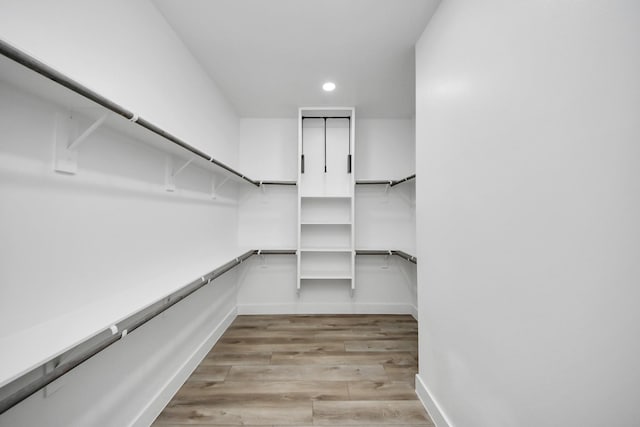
(57,384)
(64,160)
(65,148)
(183,167)
(385,266)
(215,188)
(170,173)
(169,182)
(73,145)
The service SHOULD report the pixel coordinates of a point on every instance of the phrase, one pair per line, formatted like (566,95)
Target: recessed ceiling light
(329,86)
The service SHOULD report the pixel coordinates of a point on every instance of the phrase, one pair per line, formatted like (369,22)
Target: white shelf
(328,196)
(326,275)
(337,222)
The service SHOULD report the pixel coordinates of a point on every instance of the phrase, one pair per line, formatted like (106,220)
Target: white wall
(75,250)
(528,205)
(267,219)
(127,52)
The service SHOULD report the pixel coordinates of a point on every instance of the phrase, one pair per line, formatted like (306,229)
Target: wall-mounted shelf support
(73,145)
(64,160)
(183,167)
(66,147)
(215,188)
(169,183)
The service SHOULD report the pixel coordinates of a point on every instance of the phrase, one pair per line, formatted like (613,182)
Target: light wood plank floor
(338,370)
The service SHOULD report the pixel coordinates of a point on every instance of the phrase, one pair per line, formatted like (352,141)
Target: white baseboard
(158,402)
(327,309)
(414,312)
(435,411)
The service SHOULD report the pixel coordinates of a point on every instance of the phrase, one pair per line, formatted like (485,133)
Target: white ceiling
(270,57)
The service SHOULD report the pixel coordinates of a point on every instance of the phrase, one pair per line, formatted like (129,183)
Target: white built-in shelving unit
(326,195)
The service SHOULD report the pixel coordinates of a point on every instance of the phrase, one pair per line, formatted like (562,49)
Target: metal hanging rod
(401,254)
(44,70)
(391,182)
(278,183)
(400,181)
(276,252)
(375,182)
(92,346)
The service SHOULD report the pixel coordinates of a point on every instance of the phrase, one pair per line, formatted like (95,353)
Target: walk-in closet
(333,213)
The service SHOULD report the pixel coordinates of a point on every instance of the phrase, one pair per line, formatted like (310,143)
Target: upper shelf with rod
(389,182)
(31,75)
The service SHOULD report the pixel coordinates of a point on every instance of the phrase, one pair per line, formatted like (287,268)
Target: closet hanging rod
(278,183)
(400,181)
(375,182)
(92,346)
(401,254)
(44,70)
(276,252)
(390,182)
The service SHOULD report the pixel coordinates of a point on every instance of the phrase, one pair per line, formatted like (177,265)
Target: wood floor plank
(228,359)
(401,373)
(272,391)
(382,345)
(315,334)
(271,347)
(307,373)
(238,413)
(345,358)
(381,390)
(370,413)
(209,373)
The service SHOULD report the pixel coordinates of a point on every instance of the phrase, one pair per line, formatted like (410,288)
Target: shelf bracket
(170,173)
(169,182)
(64,160)
(51,388)
(65,148)
(215,188)
(183,167)
(73,145)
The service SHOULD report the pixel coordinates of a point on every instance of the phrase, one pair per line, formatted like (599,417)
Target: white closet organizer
(326,195)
